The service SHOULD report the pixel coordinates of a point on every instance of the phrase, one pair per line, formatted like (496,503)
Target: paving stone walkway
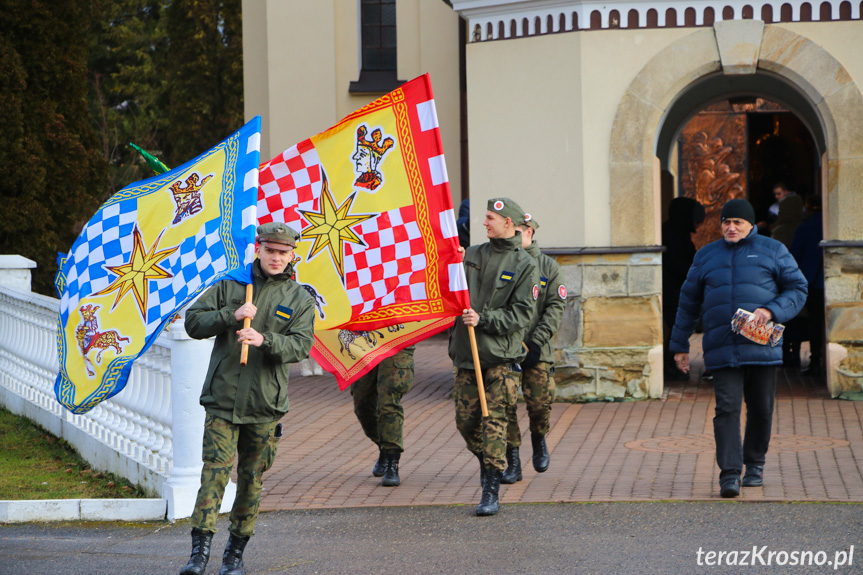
(624,451)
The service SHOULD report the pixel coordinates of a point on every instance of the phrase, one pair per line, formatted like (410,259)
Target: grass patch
(36,465)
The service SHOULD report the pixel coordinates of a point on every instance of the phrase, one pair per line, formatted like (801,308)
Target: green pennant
(155,164)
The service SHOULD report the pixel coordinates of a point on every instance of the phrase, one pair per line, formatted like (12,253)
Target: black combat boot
(512,473)
(379,468)
(541,458)
(391,473)
(201,541)
(481,469)
(232,560)
(489,504)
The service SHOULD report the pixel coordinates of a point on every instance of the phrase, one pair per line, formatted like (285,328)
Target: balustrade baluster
(98,415)
(147,410)
(123,422)
(112,423)
(135,391)
(29,345)
(164,416)
(48,360)
(156,406)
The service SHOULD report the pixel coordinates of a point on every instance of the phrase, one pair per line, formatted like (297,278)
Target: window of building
(378,46)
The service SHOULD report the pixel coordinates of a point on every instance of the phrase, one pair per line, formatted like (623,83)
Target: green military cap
(506,208)
(529,222)
(278,233)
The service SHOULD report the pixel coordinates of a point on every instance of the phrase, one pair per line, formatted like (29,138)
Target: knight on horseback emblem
(89,337)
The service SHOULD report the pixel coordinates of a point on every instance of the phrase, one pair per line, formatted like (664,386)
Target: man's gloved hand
(532,356)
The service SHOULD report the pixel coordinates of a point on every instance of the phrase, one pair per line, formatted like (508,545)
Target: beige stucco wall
(289,59)
(543,108)
(300,57)
(844,41)
(561,93)
(256,101)
(525,126)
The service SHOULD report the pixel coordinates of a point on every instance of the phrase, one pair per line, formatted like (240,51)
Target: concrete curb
(83,510)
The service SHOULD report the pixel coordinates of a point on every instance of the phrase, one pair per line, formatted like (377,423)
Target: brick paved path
(626,451)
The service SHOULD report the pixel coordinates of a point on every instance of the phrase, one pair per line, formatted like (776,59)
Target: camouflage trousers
(256,444)
(377,400)
(537,383)
(485,435)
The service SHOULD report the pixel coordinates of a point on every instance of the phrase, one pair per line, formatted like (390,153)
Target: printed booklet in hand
(743,322)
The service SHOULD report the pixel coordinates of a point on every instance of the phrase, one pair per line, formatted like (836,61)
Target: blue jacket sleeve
(689,307)
(792,285)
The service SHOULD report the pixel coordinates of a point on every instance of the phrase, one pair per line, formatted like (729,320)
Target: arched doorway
(786,67)
(742,146)
(746,134)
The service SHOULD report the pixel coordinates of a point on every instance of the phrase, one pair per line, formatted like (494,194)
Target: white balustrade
(149,424)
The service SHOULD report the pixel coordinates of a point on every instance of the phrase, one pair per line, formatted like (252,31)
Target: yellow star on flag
(331,228)
(142,266)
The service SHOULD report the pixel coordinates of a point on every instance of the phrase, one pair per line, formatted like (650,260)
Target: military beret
(529,222)
(506,208)
(278,233)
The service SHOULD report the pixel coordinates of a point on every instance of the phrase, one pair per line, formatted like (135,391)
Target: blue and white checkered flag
(148,251)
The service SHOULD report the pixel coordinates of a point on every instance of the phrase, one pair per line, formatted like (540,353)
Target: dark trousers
(756,385)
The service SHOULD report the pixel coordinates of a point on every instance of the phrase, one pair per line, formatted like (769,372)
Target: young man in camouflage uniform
(503,283)
(377,405)
(244,404)
(537,378)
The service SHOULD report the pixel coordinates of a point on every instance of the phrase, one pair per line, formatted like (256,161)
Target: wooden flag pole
(247,322)
(479,385)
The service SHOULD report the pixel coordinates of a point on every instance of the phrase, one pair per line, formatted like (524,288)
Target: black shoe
(197,564)
(232,560)
(379,469)
(707,375)
(391,473)
(754,476)
(541,458)
(729,486)
(489,504)
(512,473)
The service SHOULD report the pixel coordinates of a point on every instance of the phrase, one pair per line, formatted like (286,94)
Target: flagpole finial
(155,164)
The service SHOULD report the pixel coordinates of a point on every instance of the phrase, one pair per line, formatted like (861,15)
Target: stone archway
(745,47)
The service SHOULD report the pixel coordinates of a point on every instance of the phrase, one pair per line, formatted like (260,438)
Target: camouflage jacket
(550,305)
(258,392)
(503,282)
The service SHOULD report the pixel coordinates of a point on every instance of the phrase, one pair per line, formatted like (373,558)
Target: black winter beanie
(738,208)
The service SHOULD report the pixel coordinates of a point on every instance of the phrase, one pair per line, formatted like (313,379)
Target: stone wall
(843,292)
(609,345)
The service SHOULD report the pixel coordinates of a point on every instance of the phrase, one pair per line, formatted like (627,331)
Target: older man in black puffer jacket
(758,274)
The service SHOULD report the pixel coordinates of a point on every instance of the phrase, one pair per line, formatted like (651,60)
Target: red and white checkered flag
(379,247)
